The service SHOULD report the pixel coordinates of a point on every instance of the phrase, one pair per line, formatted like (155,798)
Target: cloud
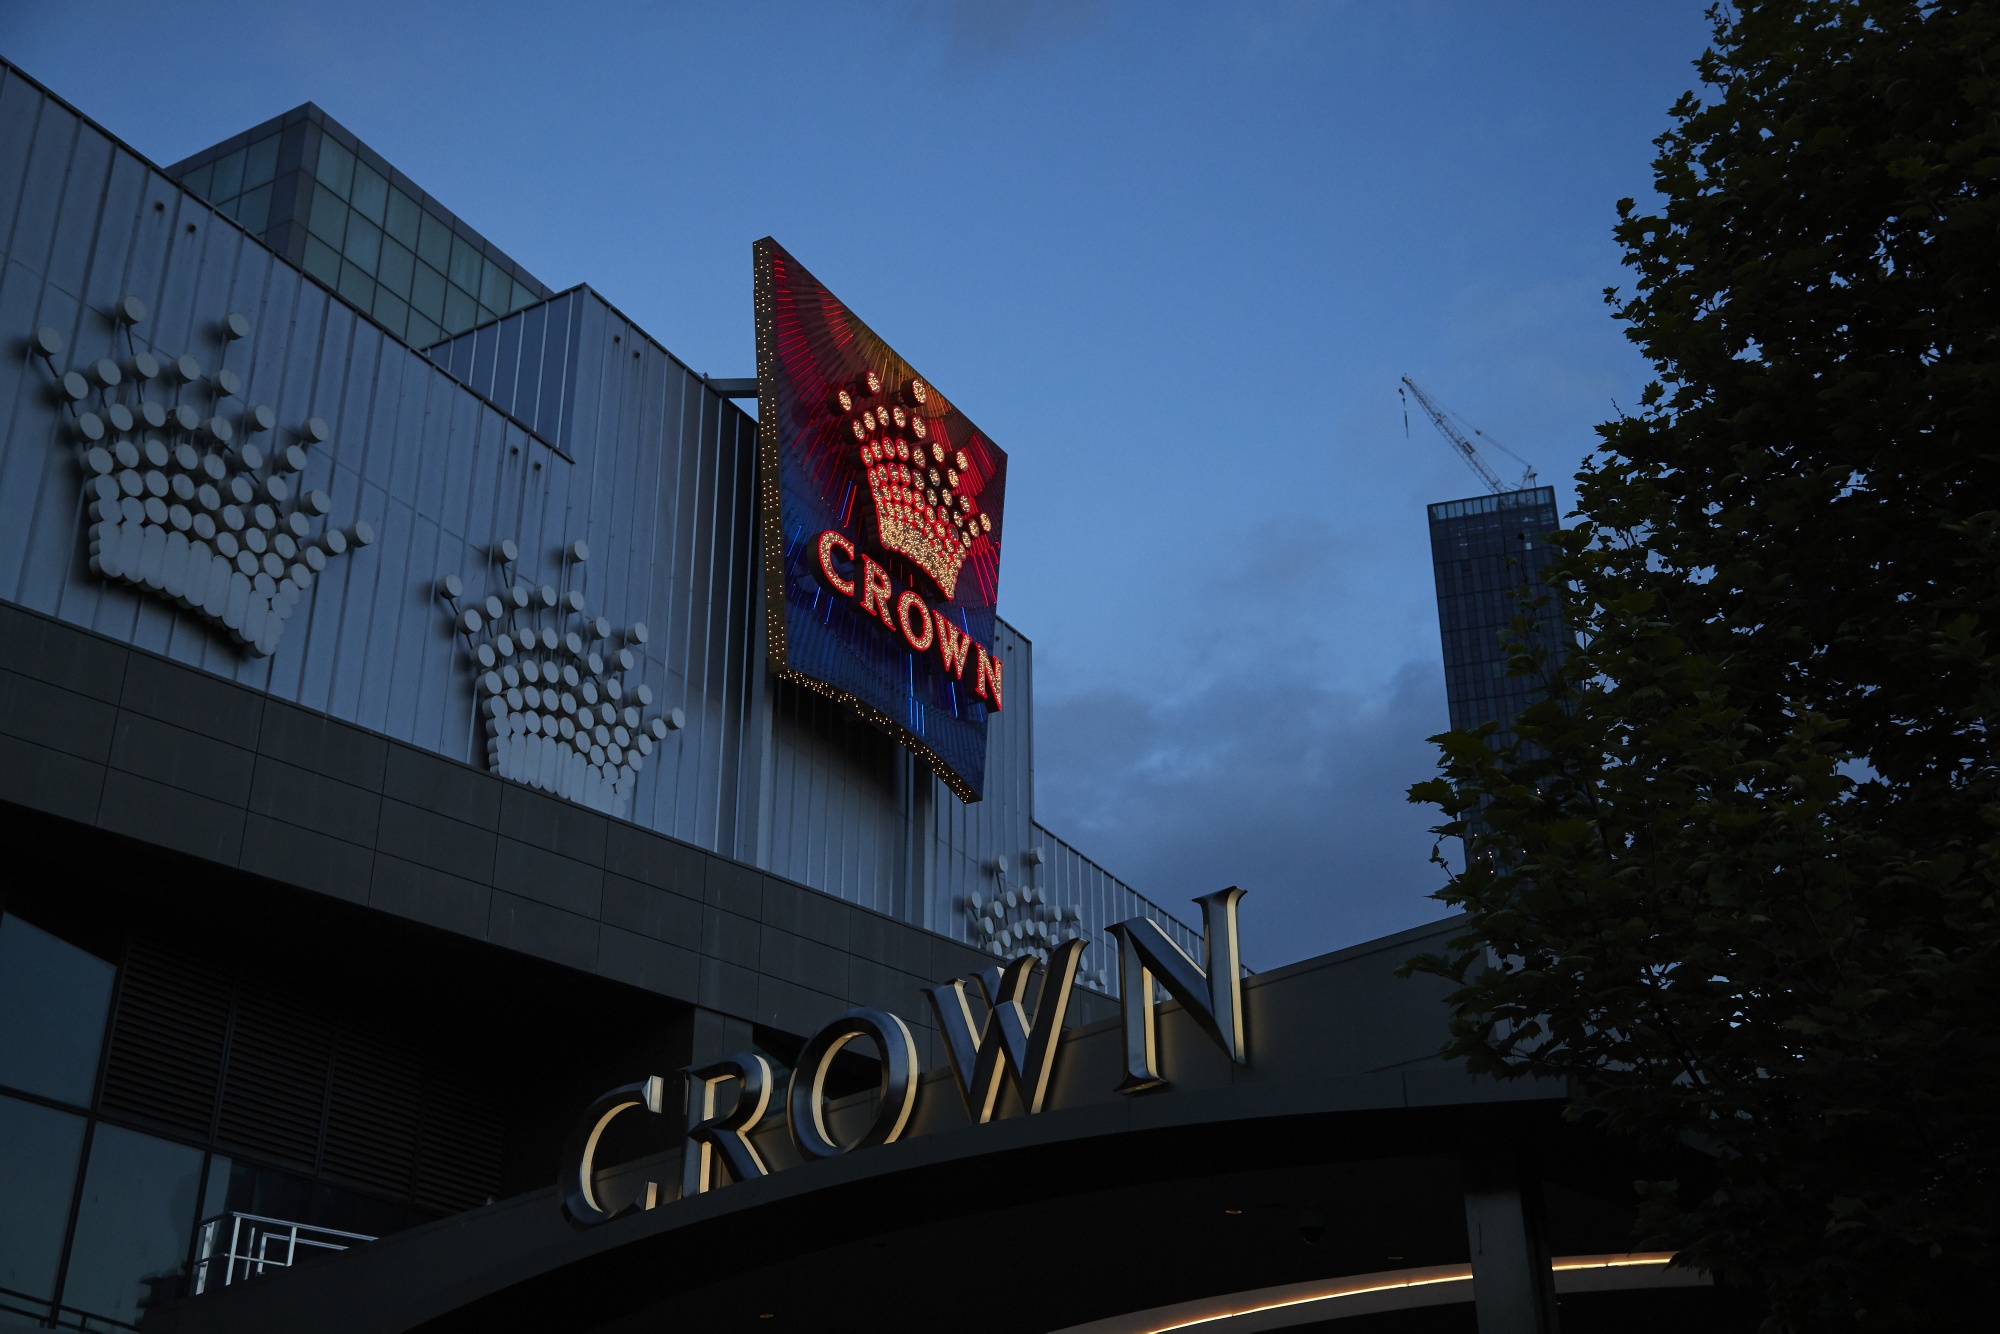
(1275,782)
(979,32)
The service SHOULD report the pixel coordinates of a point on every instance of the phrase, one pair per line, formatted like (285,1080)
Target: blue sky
(1173,257)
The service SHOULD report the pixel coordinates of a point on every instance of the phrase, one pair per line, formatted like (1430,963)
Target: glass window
(253,209)
(427,293)
(260,163)
(336,166)
(523,295)
(135,1225)
(459,311)
(396,267)
(434,242)
(485,316)
(465,264)
(402,217)
(228,182)
(54,999)
(496,289)
(422,332)
(364,243)
(328,220)
(196,181)
(371,192)
(39,1151)
(322,261)
(391,311)
(357,286)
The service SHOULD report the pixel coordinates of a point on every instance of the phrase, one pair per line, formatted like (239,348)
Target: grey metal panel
(655,472)
(414,453)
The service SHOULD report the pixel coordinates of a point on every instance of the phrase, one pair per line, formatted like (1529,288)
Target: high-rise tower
(1484,551)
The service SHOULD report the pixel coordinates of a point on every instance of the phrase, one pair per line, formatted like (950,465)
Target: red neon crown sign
(923,488)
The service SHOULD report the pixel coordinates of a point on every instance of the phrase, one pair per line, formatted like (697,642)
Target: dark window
(459,311)
(196,181)
(402,218)
(260,163)
(427,293)
(336,166)
(53,1001)
(357,286)
(371,192)
(396,267)
(434,242)
(364,243)
(322,261)
(391,311)
(496,289)
(134,1225)
(422,332)
(465,264)
(39,1150)
(253,209)
(228,181)
(329,218)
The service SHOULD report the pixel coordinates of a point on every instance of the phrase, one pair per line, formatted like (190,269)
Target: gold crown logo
(922,486)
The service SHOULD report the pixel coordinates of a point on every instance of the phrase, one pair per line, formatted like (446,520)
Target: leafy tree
(1738,879)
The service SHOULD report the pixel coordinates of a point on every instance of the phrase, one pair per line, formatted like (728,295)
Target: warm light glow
(875,591)
(1454,1274)
(953,644)
(828,540)
(987,684)
(1564,1264)
(1416,1278)
(904,605)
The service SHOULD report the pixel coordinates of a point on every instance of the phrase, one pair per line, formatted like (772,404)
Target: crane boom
(1457,438)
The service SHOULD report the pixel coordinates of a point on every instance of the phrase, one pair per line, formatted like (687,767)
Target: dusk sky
(1172,257)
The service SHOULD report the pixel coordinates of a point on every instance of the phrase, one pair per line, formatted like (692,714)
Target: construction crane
(1466,449)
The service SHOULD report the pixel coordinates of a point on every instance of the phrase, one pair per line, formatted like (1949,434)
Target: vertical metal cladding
(654,471)
(561,421)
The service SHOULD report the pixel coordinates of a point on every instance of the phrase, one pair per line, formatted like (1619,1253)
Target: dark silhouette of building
(1485,551)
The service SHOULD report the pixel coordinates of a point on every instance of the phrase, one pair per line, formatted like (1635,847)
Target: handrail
(244,1246)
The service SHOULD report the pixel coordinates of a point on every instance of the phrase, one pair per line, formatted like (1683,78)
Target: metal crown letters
(1010,1044)
(1214,998)
(725,1136)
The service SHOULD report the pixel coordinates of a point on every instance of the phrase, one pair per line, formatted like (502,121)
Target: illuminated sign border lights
(881,512)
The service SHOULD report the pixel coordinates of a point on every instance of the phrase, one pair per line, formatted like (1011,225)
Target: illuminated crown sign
(183,502)
(881,512)
(915,478)
(558,689)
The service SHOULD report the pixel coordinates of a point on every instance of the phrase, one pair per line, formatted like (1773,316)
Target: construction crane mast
(1466,449)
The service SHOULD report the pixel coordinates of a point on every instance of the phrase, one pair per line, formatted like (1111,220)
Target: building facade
(1487,553)
(389,765)
(289,297)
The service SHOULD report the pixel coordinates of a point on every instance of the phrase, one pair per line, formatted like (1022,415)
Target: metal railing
(232,1247)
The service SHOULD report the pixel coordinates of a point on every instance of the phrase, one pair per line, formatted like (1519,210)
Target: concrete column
(1513,1290)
